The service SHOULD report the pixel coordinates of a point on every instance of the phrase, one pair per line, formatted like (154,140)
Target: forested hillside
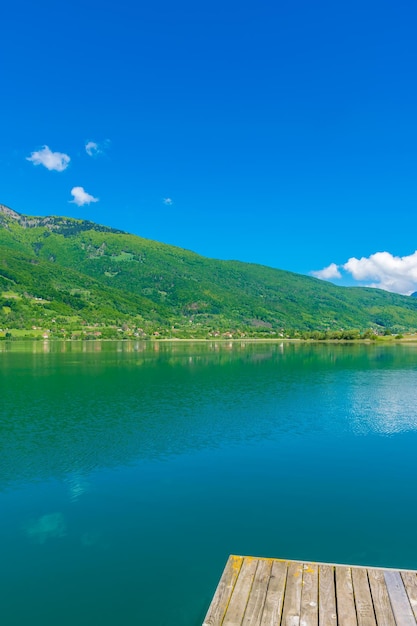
(64,275)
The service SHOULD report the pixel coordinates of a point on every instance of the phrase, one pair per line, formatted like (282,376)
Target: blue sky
(282,132)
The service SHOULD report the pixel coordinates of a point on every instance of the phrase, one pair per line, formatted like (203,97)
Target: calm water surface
(130,471)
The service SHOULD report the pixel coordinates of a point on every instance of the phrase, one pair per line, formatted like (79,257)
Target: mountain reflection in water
(129,471)
(80,406)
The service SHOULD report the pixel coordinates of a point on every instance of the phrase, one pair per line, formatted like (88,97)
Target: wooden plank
(410,584)
(363,599)
(272,592)
(346,610)
(240,596)
(310,595)
(274,600)
(380,598)
(327,596)
(401,606)
(258,592)
(223,593)
(292,599)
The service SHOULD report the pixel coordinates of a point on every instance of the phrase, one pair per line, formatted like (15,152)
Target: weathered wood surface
(327,596)
(382,604)
(346,609)
(401,607)
(274,592)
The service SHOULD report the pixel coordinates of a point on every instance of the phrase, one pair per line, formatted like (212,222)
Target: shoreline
(391,339)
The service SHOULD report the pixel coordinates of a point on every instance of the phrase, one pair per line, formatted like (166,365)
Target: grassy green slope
(112,275)
(33,291)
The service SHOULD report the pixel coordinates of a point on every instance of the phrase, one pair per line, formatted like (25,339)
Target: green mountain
(69,273)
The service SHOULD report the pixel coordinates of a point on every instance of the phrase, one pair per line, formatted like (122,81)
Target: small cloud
(91,147)
(167,201)
(94,149)
(81,197)
(57,161)
(327,273)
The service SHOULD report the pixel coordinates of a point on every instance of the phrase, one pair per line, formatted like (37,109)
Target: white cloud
(81,197)
(92,148)
(167,201)
(57,161)
(392,273)
(381,270)
(331,271)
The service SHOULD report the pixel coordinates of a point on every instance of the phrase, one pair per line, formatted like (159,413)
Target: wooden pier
(274,592)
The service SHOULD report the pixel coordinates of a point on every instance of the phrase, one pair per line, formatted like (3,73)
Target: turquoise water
(130,471)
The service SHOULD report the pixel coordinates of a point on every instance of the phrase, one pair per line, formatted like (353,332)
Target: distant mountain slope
(87,273)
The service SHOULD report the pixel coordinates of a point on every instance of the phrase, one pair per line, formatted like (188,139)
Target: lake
(129,471)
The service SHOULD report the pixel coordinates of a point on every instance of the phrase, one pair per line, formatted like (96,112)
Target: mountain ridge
(87,274)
